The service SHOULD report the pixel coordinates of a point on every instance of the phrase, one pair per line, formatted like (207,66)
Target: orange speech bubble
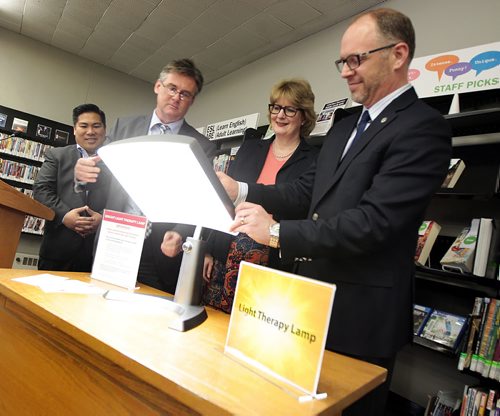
(440,63)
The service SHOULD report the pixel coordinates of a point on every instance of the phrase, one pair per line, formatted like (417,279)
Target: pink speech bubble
(413,74)
(440,63)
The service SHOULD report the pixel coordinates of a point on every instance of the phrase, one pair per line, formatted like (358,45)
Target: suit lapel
(338,165)
(334,145)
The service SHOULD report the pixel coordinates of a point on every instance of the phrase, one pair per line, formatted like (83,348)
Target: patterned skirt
(219,291)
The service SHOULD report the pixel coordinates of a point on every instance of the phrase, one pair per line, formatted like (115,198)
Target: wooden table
(74,354)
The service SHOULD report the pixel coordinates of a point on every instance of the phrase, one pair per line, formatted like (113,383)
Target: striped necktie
(164,129)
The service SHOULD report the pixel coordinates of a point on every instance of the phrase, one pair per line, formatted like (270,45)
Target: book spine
(493,340)
(475,355)
(486,336)
(473,330)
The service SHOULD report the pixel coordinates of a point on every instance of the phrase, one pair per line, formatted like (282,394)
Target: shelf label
(231,128)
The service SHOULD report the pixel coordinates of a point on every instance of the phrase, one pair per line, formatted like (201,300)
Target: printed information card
(119,248)
(279,323)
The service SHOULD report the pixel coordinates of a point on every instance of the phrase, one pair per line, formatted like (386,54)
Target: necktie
(164,129)
(364,120)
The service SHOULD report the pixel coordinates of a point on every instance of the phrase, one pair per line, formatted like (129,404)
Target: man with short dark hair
(69,238)
(358,211)
(178,84)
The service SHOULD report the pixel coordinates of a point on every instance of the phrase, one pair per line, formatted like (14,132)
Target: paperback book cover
(427,234)
(420,316)
(455,169)
(460,256)
(444,328)
(483,246)
(325,118)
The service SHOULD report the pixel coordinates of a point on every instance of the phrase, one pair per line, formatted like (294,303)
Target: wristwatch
(274,235)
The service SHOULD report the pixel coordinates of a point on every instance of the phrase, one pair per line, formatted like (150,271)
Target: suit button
(315,216)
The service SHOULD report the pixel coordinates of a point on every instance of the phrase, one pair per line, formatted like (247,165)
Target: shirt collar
(380,105)
(174,126)
(83,152)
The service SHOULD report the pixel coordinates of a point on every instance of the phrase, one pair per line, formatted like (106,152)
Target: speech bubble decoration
(485,60)
(413,74)
(440,63)
(460,68)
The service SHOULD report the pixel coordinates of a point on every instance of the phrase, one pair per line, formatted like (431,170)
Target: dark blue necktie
(365,119)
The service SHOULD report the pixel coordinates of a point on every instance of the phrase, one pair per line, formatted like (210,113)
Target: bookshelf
(476,140)
(22,152)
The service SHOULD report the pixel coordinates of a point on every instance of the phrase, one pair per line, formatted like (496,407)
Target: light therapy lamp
(170,179)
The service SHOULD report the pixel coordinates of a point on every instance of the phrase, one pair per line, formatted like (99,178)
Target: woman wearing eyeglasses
(282,158)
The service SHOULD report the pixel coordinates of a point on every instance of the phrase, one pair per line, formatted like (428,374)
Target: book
(495,365)
(460,256)
(444,328)
(420,316)
(445,403)
(484,314)
(483,246)
(18,124)
(455,170)
(472,333)
(427,234)
(485,354)
(492,344)
(325,118)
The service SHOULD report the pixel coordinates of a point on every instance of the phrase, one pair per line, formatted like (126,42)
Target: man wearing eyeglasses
(363,203)
(176,88)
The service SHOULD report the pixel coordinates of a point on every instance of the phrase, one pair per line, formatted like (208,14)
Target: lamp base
(190,317)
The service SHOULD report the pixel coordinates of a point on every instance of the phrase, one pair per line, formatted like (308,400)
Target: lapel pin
(383,120)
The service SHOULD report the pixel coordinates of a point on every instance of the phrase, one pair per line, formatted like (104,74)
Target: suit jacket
(54,188)
(247,166)
(361,222)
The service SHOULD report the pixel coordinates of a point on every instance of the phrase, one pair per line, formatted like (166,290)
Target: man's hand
(208,266)
(86,169)
(172,244)
(96,219)
(254,221)
(229,184)
(82,220)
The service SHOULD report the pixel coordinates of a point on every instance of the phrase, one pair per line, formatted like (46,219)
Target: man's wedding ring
(242,220)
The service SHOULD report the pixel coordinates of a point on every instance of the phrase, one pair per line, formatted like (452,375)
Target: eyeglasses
(354,61)
(289,111)
(173,91)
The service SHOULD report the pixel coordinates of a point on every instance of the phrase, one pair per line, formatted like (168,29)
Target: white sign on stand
(119,248)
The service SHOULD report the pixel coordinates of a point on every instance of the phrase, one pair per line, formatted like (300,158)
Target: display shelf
(477,284)
(426,343)
(475,122)
(22,159)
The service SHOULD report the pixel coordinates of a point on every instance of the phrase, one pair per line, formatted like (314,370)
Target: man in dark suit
(176,88)
(362,204)
(68,239)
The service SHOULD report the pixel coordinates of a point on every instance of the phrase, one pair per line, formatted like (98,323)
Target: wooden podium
(14,206)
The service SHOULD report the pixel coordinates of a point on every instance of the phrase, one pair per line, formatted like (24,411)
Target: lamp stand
(188,289)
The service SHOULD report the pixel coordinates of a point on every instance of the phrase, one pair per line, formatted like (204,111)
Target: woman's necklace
(284,156)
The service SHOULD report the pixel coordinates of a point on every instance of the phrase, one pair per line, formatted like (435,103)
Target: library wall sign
(459,71)
(231,128)
(278,326)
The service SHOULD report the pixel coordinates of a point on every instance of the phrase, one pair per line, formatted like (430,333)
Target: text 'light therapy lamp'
(170,179)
